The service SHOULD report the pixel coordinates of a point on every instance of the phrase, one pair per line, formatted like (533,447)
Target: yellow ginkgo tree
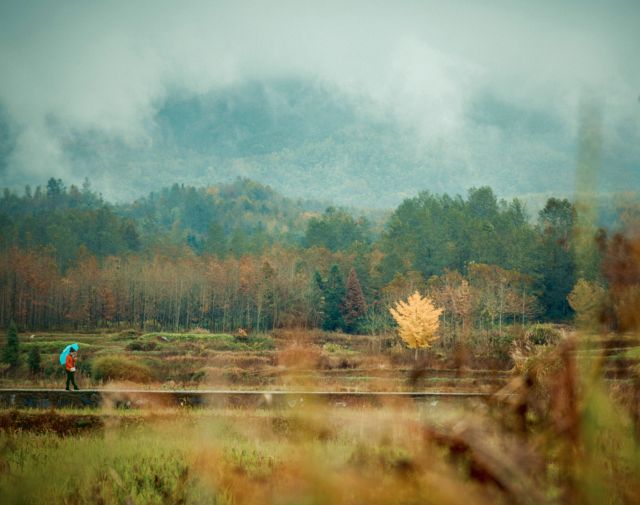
(586,299)
(418,321)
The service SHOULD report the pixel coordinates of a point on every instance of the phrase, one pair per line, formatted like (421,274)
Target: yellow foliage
(418,320)
(586,300)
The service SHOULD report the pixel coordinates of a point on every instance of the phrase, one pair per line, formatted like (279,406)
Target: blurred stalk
(589,160)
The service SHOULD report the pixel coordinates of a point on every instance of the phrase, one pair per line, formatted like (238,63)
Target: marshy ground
(558,427)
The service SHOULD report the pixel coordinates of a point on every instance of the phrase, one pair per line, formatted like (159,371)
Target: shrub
(120,368)
(198,375)
(253,343)
(84,368)
(218,375)
(34,360)
(342,362)
(299,356)
(129,333)
(334,348)
(543,334)
(52,369)
(142,346)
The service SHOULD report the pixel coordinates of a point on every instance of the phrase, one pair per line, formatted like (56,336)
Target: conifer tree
(269,295)
(355,306)
(33,360)
(238,243)
(333,298)
(317,303)
(557,255)
(11,354)
(216,241)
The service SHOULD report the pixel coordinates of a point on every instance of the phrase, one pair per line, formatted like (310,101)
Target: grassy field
(283,360)
(401,454)
(563,427)
(290,360)
(310,456)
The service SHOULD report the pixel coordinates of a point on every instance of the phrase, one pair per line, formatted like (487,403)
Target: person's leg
(73,379)
(69,377)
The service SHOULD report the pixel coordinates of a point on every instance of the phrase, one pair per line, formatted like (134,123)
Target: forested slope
(241,255)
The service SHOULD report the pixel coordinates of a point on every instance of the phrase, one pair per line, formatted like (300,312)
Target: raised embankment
(132,398)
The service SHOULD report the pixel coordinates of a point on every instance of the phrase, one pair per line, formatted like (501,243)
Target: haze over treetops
(320,102)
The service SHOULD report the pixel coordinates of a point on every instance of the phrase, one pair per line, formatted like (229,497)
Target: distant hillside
(316,143)
(242,217)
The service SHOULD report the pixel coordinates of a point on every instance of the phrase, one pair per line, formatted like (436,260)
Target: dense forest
(242,256)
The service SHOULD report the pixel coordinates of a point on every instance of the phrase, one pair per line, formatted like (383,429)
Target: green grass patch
(333,348)
(57,346)
(213,341)
(633,353)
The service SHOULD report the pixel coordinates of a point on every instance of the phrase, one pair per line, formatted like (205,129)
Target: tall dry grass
(554,435)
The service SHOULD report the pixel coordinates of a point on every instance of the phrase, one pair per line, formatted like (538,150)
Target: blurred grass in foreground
(554,435)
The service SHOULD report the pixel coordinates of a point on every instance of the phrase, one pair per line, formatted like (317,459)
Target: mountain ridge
(315,143)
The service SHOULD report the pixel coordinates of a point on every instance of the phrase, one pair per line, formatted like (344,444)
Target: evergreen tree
(482,203)
(130,236)
(33,360)
(259,239)
(238,244)
(11,354)
(269,297)
(317,305)
(333,297)
(354,306)
(216,242)
(55,188)
(336,230)
(557,268)
(86,186)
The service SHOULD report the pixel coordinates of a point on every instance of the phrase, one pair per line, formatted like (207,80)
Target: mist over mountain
(314,143)
(320,101)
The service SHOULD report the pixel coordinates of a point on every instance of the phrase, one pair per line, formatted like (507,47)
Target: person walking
(70,367)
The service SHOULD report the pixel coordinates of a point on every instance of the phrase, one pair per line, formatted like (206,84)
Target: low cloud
(107,67)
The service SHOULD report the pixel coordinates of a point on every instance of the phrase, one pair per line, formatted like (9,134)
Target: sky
(108,67)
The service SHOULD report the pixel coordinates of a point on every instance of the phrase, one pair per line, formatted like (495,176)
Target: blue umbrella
(65,353)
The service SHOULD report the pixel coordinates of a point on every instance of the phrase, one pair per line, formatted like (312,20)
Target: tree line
(241,256)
